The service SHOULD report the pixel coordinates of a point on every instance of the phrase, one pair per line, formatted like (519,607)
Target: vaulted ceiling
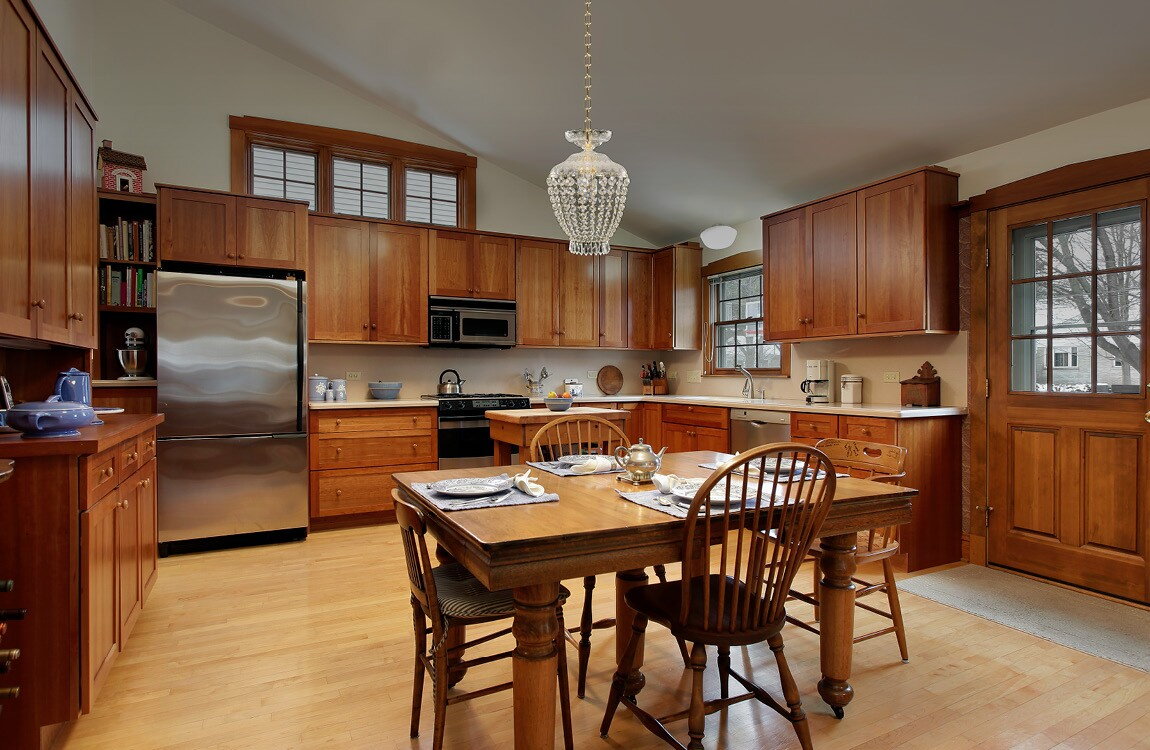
(722,109)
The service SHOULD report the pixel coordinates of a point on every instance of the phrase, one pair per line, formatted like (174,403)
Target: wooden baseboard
(976,549)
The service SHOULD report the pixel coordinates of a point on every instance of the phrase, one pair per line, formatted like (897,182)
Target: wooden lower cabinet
(355,452)
(99,621)
(695,428)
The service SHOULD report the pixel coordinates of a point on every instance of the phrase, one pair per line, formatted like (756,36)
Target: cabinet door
(663,300)
(149,534)
(98,611)
(128,584)
(578,300)
(450,264)
(493,267)
(270,233)
(613,313)
(679,438)
(197,227)
(50,197)
(81,306)
(537,292)
(891,256)
(639,300)
(831,246)
(710,439)
(786,276)
(17,52)
(399,259)
(339,283)
(686,272)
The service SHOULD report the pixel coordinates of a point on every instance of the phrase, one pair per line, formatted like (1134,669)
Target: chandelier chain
(587,66)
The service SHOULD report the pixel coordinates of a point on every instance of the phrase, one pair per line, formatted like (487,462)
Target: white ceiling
(722,110)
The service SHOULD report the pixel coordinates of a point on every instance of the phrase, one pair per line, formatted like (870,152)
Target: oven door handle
(446,423)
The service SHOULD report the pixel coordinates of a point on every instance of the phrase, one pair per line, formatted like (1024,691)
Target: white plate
(685,490)
(470,487)
(581,458)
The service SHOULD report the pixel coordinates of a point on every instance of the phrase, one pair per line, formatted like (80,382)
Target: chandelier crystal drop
(588,191)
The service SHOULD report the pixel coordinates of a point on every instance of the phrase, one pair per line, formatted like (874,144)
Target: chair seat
(463,597)
(661,602)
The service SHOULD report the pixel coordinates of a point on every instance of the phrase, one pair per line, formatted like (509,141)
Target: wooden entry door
(1068,441)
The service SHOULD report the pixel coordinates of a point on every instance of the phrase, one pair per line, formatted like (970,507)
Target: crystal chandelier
(588,191)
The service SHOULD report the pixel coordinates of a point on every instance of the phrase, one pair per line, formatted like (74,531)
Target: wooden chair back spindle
(877,462)
(749,590)
(568,435)
(413,531)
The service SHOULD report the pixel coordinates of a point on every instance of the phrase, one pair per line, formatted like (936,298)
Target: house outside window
(734,322)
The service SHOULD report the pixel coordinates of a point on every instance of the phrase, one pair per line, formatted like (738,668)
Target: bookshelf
(126,276)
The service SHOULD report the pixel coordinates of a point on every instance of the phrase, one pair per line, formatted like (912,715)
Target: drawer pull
(338,452)
(865,430)
(125,506)
(415,446)
(338,422)
(148,482)
(339,493)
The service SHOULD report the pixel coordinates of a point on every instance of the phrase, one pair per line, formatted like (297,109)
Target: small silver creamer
(640,461)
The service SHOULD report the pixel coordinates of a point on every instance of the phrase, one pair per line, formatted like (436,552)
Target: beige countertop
(374,403)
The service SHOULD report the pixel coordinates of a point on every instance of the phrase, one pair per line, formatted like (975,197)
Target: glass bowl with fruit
(558,401)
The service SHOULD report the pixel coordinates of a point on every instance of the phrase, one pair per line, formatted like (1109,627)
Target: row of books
(128,240)
(127,287)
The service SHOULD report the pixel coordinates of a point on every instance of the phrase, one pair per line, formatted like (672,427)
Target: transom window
(735,322)
(432,197)
(282,173)
(1076,304)
(361,188)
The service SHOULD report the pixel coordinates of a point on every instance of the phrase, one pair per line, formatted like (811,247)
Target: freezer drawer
(222,486)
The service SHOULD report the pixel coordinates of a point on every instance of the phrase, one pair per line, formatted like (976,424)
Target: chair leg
(585,623)
(626,664)
(724,671)
(697,717)
(661,574)
(420,651)
(815,590)
(895,607)
(564,684)
(791,693)
(439,680)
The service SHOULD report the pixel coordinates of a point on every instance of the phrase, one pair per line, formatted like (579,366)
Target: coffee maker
(820,385)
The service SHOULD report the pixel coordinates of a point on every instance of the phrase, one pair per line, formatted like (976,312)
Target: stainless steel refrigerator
(231,384)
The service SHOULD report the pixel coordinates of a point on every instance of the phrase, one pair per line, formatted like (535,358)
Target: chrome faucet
(749,386)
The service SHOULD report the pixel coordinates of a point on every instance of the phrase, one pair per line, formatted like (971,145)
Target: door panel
(339,280)
(451,264)
(81,306)
(639,301)
(271,233)
(831,236)
(17,46)
(197,227)
(613,299)
(99,619)
(537,272)
(786,276)
(578,300)
(493,267)
(663,300)
(891,260)
(50,199)
(128,584)
(1066,427)
(399,255)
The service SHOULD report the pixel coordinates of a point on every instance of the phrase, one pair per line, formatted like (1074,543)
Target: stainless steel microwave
(470,322)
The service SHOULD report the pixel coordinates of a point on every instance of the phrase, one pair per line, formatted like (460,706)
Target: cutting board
(609,379)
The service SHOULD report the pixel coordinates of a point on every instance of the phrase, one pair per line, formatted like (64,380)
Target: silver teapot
(639,461)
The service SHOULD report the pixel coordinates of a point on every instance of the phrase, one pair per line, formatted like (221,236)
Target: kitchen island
(513,429)
(78,540)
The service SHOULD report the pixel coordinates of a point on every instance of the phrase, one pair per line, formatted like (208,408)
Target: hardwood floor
(308,645)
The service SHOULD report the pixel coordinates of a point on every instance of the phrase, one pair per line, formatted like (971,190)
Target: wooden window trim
(327,142)
(737,262)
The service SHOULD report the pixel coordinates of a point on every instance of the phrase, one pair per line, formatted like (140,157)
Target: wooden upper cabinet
(662,300)
(830,239)
(786,275)
(578,299)
(878,260)
(82,249)
(339,283)
(271,233)
(614,315)
(537,292)
(196,226)
(639,301)
(472,265)
(17,50)
(400,267)
(676,321)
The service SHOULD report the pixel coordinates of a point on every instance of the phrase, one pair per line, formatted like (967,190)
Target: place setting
(579,464)
(477,493)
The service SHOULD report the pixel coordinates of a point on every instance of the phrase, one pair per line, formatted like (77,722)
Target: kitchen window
(734,326)
(353,174)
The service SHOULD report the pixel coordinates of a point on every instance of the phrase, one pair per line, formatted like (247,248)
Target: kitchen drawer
(146,444)
(869,429)
(375,420)
(100,475)
(128,457)
(816,426)
(700,416)
(346,491)
(369,449)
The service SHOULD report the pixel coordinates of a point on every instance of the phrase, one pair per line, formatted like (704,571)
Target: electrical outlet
(354,375)
(694,376)
(673,375)
(890,376)
(592,374)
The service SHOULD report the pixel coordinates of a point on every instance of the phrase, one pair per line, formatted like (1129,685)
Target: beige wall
(167,92)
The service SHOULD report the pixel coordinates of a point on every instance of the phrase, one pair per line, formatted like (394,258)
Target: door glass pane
(1119,362)
(1120,301)
(1030,309)
(1028,252)
(1072,252)
(1071,360)
(1072,302)
(1028,365)
(1120,238)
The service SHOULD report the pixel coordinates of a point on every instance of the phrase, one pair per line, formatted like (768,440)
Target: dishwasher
(752,427)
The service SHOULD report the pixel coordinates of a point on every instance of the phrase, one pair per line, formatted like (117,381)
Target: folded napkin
(526,484)
(593,465)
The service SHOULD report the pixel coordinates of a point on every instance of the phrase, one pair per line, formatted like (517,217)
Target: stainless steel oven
(471,322)
(464,431)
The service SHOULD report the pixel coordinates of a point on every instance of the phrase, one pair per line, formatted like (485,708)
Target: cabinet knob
(339,493)
(39,303)
(148,482)
(111,471)
(79,317)
(414,421)
(861,315)
(338,452)
(865,430)
(338,422)
(240,256)
(415,446)
(365,326)
(373,326)
(12,692)
(126,504)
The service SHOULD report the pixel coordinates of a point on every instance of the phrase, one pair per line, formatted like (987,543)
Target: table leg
(837,622)
(534,666)
(502,453)
(625,580)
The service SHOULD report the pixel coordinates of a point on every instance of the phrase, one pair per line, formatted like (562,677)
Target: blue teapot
(51,418)
(75,386)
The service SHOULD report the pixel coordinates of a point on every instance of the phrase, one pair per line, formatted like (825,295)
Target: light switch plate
(890,376)
(354,375)
(694,376)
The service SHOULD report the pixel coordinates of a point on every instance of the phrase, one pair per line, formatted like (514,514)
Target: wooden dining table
(592,530)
